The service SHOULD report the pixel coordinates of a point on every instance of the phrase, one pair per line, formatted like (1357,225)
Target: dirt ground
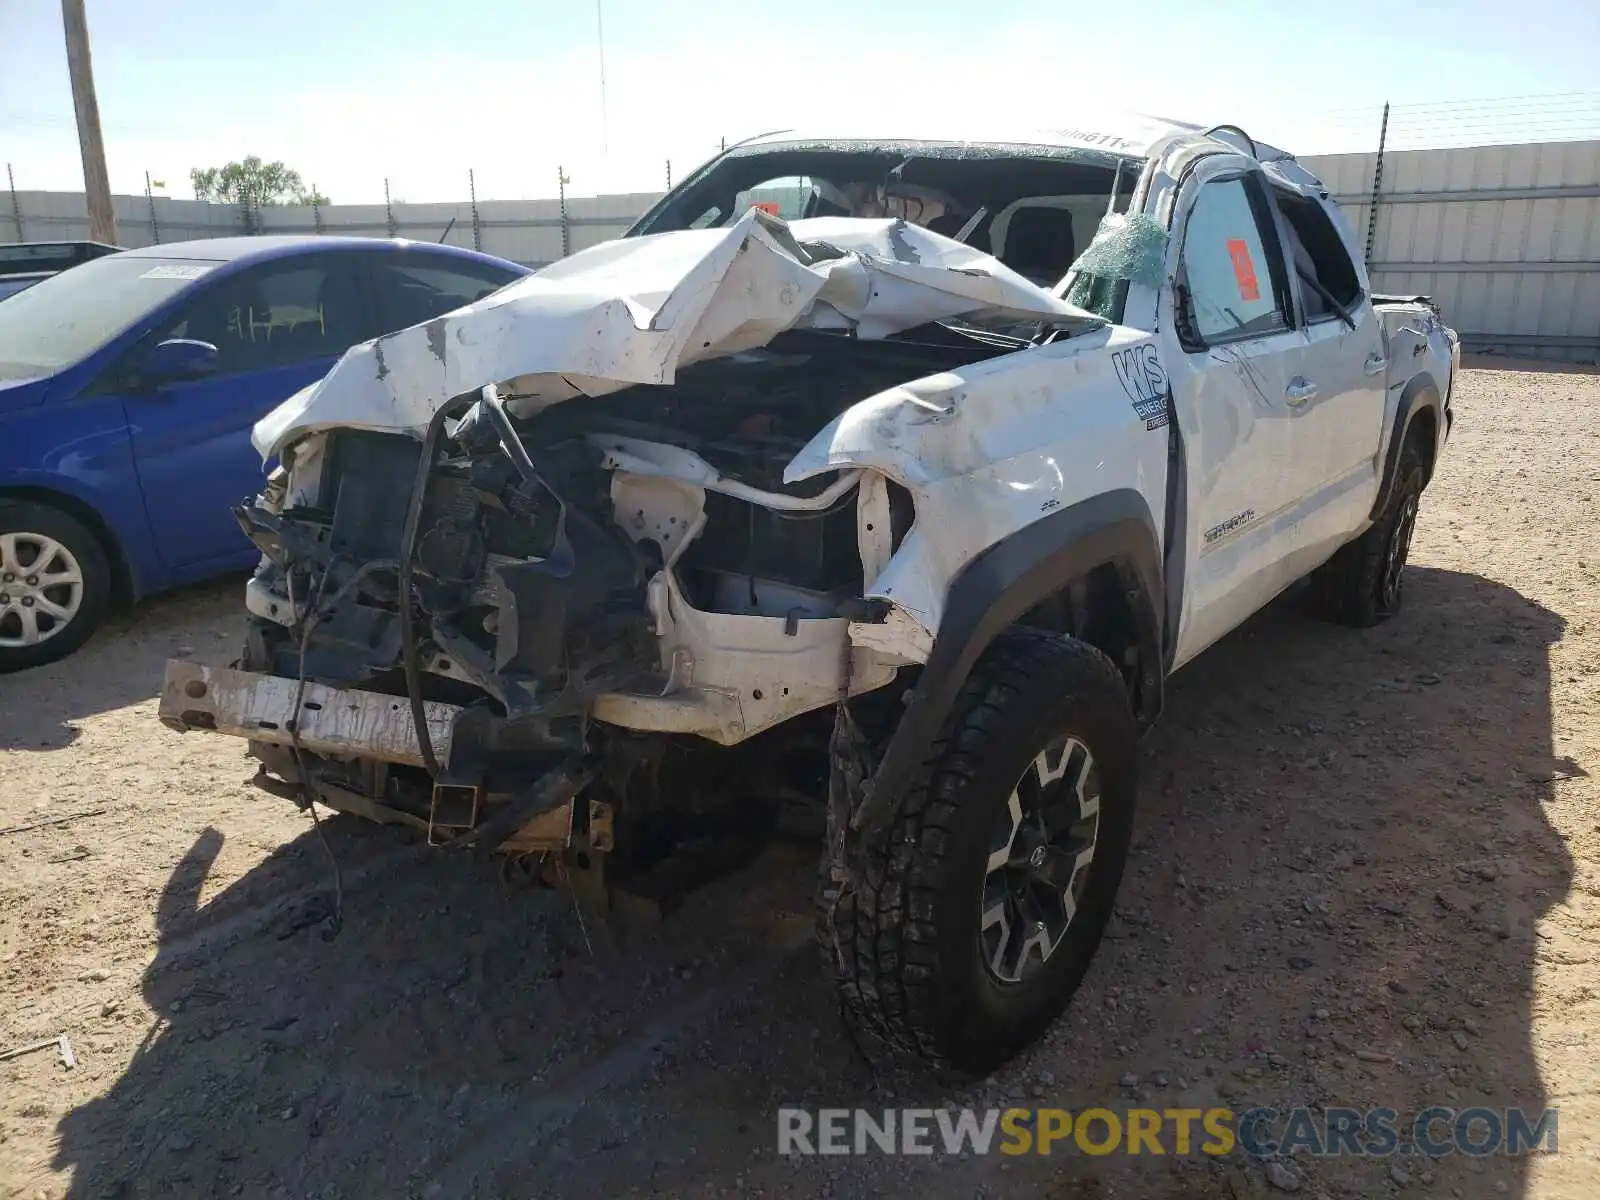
(1367,872)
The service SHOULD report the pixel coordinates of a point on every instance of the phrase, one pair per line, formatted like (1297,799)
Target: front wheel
(980,912)
(54,585)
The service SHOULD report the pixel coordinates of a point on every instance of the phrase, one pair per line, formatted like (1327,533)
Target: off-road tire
(904,940)
(1363,584)
(36,521)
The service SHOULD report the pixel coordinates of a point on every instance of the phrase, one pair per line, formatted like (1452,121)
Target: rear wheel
(54,585)
(1364,583)
(979,914)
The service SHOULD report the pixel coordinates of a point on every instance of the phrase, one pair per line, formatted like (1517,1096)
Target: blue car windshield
(63,319)
(10,287)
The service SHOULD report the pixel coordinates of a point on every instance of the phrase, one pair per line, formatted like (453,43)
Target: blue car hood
(23,393)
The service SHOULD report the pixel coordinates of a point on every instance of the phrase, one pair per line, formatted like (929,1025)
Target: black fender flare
(995,590)
(1419,394)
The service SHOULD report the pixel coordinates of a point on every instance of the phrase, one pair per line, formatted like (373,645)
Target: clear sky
(352,91)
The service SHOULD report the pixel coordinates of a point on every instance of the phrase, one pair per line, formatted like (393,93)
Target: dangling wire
(307,624)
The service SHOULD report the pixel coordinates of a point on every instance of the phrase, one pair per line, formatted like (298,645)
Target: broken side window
(1127,248)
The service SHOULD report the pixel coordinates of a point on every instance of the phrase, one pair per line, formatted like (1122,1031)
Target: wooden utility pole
(102,219)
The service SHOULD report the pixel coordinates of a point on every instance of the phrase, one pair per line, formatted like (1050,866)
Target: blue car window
(411,290)
(280,313)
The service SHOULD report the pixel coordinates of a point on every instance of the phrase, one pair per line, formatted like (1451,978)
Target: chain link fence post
(561,194)
(1377,185)
(16,204)
(477,227)
(150,199)
(388,209)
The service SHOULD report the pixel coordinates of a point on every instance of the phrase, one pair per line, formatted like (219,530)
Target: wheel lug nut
(27,602)
(33,581)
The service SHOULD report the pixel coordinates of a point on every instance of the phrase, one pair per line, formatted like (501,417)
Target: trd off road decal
(1140,374)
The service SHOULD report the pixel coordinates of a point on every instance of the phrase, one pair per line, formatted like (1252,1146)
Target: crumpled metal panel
(636,310)
(331,721)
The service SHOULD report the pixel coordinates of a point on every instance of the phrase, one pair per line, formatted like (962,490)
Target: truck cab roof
(1124,135)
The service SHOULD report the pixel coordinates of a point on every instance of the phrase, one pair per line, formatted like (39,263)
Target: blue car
(128,388)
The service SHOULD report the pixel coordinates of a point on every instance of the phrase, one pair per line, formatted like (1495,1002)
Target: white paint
(649,508)
(639,457)
(984,450)
(874,534)
(990,448)
(635,311)
(1284,434)
(734,676)
(898,637)
(1254,466)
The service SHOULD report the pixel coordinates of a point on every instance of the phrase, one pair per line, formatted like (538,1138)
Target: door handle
(1300,391)
(1376,364)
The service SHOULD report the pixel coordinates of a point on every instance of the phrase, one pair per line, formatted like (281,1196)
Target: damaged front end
(532,579)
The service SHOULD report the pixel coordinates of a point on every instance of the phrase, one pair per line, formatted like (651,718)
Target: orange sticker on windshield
(770,207)
(1244,270)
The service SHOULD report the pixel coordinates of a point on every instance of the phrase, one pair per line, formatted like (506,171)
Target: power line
(1487,102)
(1432,118)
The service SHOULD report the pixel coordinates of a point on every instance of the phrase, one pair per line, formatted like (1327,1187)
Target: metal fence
(1506,238)
(532,232)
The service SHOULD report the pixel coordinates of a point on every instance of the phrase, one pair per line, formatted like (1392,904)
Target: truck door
(1228,334)
(1344,364)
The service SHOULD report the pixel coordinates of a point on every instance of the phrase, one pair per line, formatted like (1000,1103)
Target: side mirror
(1183,317)
(177,360)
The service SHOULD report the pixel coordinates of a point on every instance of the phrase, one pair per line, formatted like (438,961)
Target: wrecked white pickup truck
(901,503)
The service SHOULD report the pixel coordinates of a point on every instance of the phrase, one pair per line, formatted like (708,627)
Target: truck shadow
(1341,865)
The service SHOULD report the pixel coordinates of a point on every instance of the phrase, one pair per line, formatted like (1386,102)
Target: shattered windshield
(1036,209)
(1127,248)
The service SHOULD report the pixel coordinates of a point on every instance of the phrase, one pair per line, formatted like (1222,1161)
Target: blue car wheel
(54,585)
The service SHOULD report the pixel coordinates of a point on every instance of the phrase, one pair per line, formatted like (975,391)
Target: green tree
(253,184)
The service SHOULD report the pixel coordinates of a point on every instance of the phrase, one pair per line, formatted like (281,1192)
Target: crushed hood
(635,310)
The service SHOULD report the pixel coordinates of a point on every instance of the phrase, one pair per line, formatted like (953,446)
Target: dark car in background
(128,388)
(23,264)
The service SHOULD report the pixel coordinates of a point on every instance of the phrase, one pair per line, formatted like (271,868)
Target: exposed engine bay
(602,559)
(578,556)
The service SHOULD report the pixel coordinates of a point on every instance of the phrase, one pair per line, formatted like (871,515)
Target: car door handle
(1300,391)
(1376,364)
